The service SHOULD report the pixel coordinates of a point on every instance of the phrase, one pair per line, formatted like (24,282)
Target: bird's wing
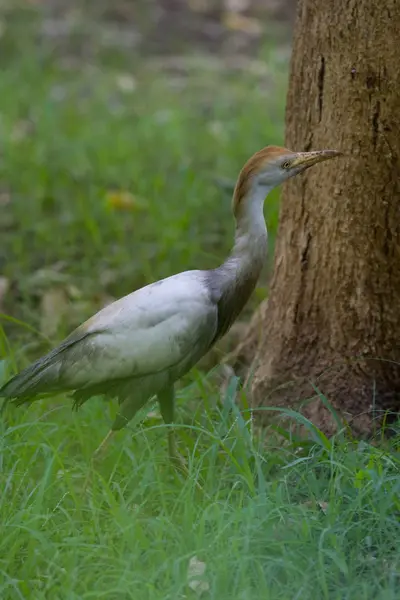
(149,331)
(156,328)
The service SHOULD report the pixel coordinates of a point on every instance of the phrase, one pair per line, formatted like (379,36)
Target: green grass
(271,522)
(290,520)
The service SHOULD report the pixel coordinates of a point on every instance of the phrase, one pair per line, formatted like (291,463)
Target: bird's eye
(286,164)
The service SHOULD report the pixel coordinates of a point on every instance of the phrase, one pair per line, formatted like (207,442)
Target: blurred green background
(123,131)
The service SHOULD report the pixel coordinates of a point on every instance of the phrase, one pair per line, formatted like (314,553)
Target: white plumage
(155,329)
(138,346)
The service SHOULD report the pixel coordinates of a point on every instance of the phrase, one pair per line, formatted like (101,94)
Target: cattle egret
(139,346)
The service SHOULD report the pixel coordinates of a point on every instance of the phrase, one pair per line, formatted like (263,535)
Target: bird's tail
(40,377)
(43,376)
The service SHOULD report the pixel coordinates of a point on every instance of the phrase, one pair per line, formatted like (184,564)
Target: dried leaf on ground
(154,414)
(4,287)
(122,200)
(237,22)
(126,82)
(21,130)
(54,306)
(74,292)
(5,198)
(195,575)
(323,506)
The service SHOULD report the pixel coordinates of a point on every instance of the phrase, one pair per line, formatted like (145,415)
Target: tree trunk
(333,314)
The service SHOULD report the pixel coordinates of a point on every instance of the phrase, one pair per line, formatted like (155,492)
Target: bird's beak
(308,159)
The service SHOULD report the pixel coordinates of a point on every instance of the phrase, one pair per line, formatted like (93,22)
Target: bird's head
(270,167)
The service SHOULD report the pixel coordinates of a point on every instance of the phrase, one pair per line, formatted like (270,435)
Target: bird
(139,346)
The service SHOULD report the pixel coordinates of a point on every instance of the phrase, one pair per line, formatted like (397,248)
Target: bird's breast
(235,288)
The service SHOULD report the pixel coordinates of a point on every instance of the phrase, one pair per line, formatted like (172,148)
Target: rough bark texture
(333,314)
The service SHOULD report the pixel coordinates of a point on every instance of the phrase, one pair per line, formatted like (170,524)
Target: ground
(117,168)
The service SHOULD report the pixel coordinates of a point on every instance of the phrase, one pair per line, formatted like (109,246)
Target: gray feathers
(233,296)
(42,376)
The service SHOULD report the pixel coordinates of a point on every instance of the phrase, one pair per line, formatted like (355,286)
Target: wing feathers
(41,376)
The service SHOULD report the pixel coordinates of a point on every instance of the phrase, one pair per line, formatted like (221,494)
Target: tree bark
(333,314)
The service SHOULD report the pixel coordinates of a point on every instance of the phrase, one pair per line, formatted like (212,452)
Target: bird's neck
(236,278)
(250,247)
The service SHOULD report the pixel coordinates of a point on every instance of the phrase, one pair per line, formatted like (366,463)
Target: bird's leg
(166,399)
